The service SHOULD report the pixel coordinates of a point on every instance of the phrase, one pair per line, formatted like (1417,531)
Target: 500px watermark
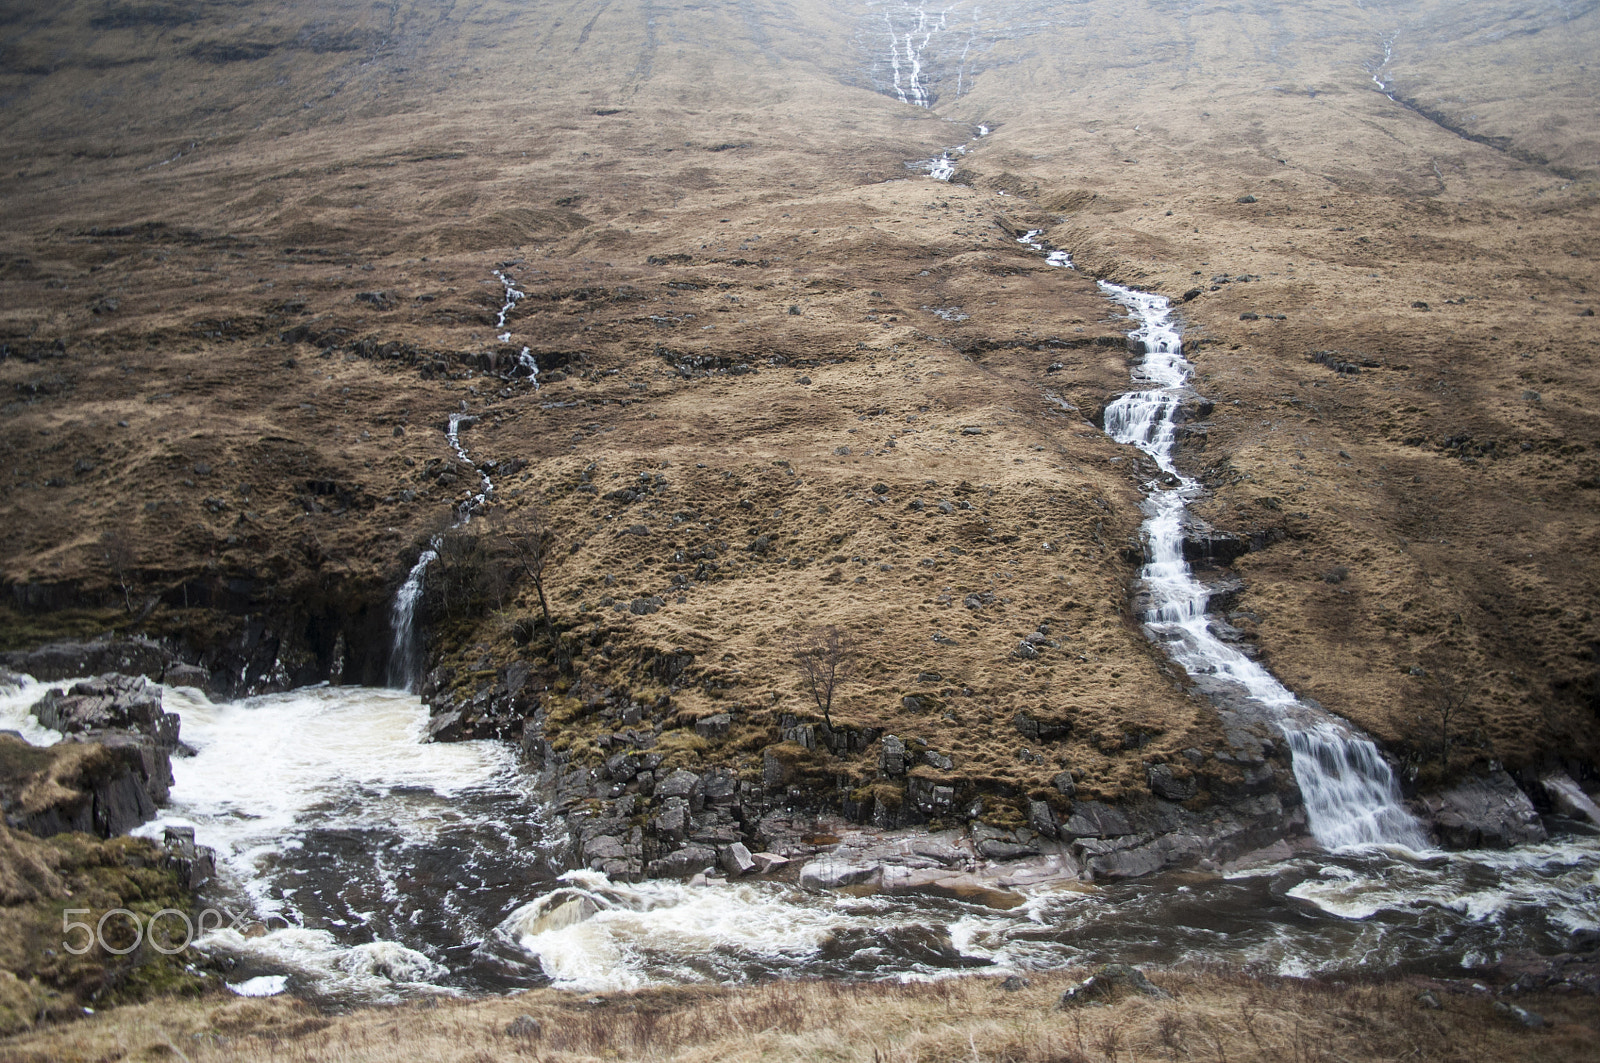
(170,920)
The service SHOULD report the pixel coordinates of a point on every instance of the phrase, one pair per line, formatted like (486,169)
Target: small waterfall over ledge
(1350,793)
(405,656)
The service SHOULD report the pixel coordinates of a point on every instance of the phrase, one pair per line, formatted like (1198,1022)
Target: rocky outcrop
(112,702)
(110,773)
(1483,812)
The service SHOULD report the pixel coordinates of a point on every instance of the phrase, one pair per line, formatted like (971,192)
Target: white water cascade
(1351,796)
(525,359)
(405,660)
(905,53)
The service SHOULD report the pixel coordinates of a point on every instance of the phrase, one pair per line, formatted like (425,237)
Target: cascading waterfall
(905,54)
(1350,792)
(405,658)
(525,359)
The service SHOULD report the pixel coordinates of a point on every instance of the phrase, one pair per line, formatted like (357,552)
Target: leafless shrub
(120,551)
(822,659)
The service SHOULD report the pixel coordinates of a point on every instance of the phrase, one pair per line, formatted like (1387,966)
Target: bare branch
(821,657)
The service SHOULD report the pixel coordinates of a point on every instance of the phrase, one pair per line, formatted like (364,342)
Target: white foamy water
(321,804)
(16,698)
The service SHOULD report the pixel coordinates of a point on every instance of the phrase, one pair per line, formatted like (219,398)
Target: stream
(382,868)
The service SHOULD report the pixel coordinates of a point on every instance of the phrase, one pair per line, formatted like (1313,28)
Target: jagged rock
(1568,797)
(1042,818)
(1064,784)
(1163,784)
(1484,812)
(684,862)
(108,790)
(680,783)
(1104,985)
(736,860)
(719,785)
(1091,819)
(195,865)
(892,756)
(119,702)
(68,660)
(187,675)
(713,726)
(1039,730)
(445,727)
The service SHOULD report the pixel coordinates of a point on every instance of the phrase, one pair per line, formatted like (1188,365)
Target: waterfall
(404,660)
(405,657)
(1351,795)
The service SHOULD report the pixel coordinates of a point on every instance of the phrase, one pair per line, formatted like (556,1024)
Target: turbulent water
(383,868)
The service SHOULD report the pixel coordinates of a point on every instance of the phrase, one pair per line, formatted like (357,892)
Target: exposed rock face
(1483,812)
(110,703)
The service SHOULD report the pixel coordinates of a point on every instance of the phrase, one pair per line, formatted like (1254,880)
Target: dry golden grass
(1219,1016)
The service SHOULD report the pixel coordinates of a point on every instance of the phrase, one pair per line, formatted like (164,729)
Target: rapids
(383,868)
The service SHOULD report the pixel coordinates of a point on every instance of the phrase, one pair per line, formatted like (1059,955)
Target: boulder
(684,862)
(892,757)
(829,872)
(680,783)
(736,860)
(111,702)
(1484,812)
(713,726)
(1568,798)
(1108,983)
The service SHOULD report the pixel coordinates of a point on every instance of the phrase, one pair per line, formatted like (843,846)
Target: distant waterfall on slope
(1351,795)
(405,656)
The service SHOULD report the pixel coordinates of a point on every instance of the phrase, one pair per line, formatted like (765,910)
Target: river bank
(1203,1014)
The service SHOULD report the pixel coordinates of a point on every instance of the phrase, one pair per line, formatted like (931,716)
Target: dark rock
(1064,784)
(1092,819)
(1109,982)
(1163,784)
(110,702)
(892,756)
(1428,999)
(995,849)
(1484,812)
(713,726)
(680,783)
(1192,294)
(1040,730)
(645,606)
(524,1028)
(1014,983)
(445,727)
(1042,818)
(68,660)
(686,861)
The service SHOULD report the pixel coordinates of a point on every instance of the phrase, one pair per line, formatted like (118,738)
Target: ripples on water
(388,868)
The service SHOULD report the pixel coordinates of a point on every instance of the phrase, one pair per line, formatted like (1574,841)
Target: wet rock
(1109,982)
(446,727)
(1484,812)
(686,861)
(828,872)
(736,860)
(567,913)
(1163,784)
(110,702)
(187,675)
(1568,798)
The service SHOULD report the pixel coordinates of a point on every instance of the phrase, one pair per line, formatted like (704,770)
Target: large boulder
(110,703)
(1483,812)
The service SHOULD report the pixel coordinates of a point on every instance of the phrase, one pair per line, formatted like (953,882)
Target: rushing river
(382,868)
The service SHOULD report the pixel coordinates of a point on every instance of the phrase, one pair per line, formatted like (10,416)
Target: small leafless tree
(528,535)
(121,553)
(1447,705)
(821,658)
